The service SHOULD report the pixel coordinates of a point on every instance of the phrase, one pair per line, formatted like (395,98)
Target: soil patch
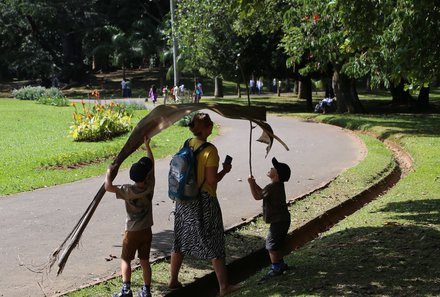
(245,267)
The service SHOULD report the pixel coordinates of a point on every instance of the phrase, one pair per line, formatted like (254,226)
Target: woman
(198,225)
(152,94)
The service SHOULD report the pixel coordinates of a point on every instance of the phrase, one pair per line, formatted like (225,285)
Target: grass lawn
(388,248)
(378,162)
(37,151)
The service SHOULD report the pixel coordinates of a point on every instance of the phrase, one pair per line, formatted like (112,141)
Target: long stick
(160,118)
(243,77)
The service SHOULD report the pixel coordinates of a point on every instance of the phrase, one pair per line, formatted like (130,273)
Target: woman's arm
(212,177)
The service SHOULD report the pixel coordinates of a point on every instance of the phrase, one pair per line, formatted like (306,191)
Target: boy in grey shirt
(138,205)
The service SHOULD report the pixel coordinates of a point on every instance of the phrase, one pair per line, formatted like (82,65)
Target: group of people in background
(198,224)
(256,87)
(172,93)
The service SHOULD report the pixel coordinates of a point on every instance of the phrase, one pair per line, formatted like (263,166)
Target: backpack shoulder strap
(186,143)
(202,147)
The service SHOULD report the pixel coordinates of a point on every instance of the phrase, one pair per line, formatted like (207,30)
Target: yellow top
(208,157)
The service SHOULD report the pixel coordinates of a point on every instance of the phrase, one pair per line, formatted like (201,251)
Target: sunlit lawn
(35,147)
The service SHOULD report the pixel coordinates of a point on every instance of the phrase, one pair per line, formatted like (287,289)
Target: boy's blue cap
(140,169)
(283,170)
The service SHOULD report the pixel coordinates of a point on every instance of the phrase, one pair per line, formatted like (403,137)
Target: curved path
(34,223)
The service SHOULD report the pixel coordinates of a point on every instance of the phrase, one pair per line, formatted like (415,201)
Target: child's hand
(111,167)
(251,179)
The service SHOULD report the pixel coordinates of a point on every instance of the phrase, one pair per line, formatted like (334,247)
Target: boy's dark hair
(140,169)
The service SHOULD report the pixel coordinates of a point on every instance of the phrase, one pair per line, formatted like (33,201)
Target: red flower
(316,18)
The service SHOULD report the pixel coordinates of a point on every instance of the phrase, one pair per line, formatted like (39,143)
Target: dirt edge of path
(243,268)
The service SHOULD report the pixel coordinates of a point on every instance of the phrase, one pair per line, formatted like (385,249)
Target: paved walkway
(34,223)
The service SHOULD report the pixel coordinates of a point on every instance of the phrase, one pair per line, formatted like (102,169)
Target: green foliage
(35,93)
(65,38)
(36,152)
(214,40)
(53,100)
(29,93)
(200,27)
(100,122)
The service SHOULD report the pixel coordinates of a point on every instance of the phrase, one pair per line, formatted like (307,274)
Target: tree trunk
(73,67)
(423,98)
(218,87)
(238,90)
(347,99)
(162,72)
(329,91)
(400,96)
(305,91)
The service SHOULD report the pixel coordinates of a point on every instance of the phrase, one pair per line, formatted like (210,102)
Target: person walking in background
(124,88)
(198,224)
(152,94)
(260,86)
(252,85)
(138,204)
(198,92)
(128,88)
(175,93)
(275,213)
(166,94)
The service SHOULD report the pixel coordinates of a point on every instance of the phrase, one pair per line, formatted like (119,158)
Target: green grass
(377,163)
(36,149)
(388,248)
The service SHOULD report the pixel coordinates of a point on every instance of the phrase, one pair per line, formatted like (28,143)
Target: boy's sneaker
(144,293)
(128,293)
(272,273)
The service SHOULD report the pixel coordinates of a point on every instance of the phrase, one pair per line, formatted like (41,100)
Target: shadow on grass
(237,246)
(415,124)
(426,211)
(394,260)
(274,106)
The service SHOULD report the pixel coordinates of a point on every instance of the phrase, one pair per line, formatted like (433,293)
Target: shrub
(28,93)
(53,92)
(100,122)
(35,93)
(55,100)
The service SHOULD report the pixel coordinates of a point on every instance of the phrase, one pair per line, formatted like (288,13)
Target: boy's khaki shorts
(136,241)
